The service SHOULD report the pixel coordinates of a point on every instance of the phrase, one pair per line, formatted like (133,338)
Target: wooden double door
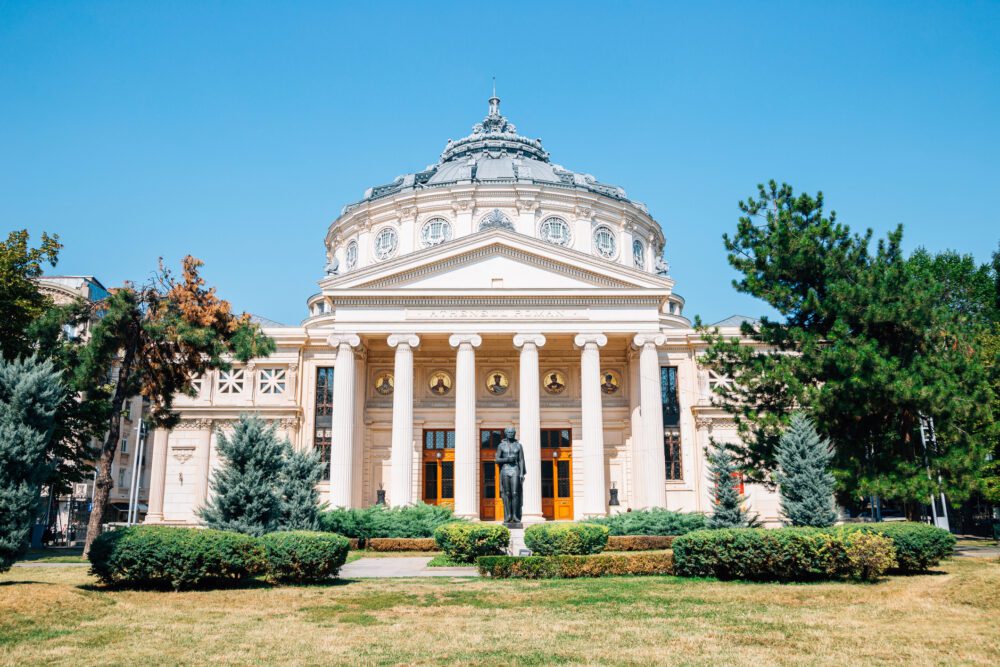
(438,467)
(557,475)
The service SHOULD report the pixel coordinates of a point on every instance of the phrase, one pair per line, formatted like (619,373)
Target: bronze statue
(510,458)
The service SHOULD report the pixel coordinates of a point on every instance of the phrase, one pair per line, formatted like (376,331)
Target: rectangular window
(430,480)
(672,453)
(668,394)
(447,480)
(547,482)
(562,472)
(231,381)
(556,437)
(272,381)
(439,439)
(124,446)
(490,438)
(490,480)
(121,478)
(322,437)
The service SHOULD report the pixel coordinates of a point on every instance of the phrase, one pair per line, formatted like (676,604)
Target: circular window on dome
(604,242)
(435,231)
(555,230)
(638,254)
(352,254)
(385,243)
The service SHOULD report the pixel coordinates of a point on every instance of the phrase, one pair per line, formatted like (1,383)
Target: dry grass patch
(53,615)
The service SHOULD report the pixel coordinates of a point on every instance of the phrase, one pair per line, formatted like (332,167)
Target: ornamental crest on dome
(496,219)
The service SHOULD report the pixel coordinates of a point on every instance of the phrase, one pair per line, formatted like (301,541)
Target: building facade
(493,288)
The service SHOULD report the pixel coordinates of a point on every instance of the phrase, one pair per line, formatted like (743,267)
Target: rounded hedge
(163,556)
(465,541)
(784,554)
(303,556)
(566,539)
(919,546)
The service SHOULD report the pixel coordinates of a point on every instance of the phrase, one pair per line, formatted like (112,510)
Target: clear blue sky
(236,131)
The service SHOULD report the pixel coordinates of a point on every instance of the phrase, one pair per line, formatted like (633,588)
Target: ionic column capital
(412,340)
(522,339)
(459,339)
(652,338)
(338,339)
(585,339)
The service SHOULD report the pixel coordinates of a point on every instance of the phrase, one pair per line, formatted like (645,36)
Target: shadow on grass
(224,585)
(25,582)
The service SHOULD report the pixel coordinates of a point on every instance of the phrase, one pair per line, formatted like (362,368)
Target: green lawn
(58,616)
(67,555)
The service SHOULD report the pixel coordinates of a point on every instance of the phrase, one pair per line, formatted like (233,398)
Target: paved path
(407,566)
(977,552)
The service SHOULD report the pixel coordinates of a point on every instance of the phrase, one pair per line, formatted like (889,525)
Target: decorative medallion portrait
(384,384)
(554,382)
(610,382)
(497,382)
(440,383)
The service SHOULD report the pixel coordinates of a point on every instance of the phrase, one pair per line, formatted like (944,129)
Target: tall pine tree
(728,510)
(30,392)
(247,489)
(805,483)
(300,496)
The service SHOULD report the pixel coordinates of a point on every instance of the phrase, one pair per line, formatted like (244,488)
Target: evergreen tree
(20,299)
(728,510)
(30,392)
(300,495)
(247,489)
(805,484)
(867,341)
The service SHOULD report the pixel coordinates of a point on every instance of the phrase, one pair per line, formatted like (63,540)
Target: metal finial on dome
(494,101)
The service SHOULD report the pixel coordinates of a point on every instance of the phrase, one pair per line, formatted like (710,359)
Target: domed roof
(493,153)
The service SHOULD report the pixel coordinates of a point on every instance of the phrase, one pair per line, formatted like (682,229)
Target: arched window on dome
(605,243)
(638,254)
(352,255)
(555,230)
(495,219)
(435,231)
(385,243)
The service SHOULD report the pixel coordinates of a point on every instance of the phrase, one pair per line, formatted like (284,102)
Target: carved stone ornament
(182,454)
(495,219)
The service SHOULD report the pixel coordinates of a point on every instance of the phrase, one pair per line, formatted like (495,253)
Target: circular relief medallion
(610,382)
(384,384)
(497,382)
(439,383)
(554,382)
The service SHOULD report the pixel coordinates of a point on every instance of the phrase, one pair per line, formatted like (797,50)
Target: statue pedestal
(514,526)
(516,541)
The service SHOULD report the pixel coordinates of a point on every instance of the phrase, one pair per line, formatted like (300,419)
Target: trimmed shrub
(869,555)
(786,554)
(403,544)
(568,567)
(918,545)
(162,556)
(566,539)
(465,541)
(651,522)
(413,521)
(639,542)
(302,556)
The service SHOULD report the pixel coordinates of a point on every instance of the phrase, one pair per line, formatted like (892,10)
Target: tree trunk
(104,482)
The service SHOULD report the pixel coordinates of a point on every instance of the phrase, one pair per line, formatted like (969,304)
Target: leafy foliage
(785,554)
(301,556)
(178,558)
(30,392)
(463,541)
(21,302)
(419,520)
(569,567)
(401,544)
(918,545)
(867,342)
(805,484)
(639,542)
(566,539)
(653,521)
(728,509)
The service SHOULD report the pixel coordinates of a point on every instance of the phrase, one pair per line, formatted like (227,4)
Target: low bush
(918,546)
(303,556)
(568,567)
(463,542)
(179,558)
(639,542)
(651,522)
(413,521)
(402,544)
(786,554)
(566,539)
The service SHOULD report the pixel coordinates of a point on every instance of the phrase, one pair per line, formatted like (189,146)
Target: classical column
(342,445)
(401,476)
(651,464)
(158,476)
(531,424)
(466,438)
(594,482)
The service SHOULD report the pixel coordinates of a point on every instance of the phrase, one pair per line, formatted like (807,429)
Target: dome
(494,153)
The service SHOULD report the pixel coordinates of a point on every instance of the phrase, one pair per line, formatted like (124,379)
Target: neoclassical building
(493,288)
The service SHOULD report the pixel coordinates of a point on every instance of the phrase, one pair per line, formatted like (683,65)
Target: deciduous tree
(20,300)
